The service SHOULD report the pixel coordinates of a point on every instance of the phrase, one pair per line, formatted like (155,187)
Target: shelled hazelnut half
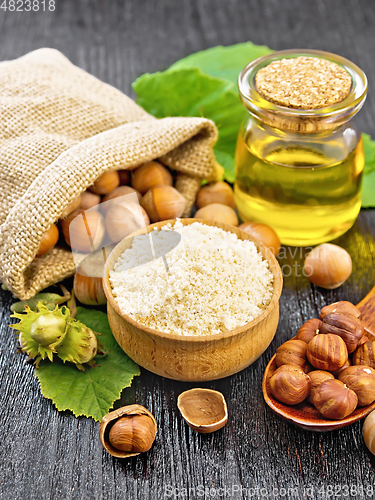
(128,431)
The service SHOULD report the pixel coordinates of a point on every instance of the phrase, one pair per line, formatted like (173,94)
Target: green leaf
(368,191)
(48,299)
(189,92)
(224,62)
(369,147)
(90,393)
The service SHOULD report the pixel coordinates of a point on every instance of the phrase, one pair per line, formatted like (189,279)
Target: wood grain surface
(49,455)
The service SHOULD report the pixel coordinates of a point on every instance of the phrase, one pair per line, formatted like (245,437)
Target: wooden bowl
(194,358)
(307,416)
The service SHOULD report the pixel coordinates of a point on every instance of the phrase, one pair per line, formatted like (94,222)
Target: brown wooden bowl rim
(289,413)
(278,284)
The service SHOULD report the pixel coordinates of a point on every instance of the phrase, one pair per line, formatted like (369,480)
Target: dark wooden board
(49,455)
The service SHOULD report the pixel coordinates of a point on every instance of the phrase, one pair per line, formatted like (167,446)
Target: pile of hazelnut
(330,364)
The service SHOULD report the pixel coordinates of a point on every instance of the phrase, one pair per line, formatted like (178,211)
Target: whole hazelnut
(83,230)
(328,266)
(290,384)
(327,352)
(369,432)
(292,352)
(105,183)
(317,377)
(48,241)
(216,192)
(163,203)
(342,307)
(348,327)
(119,194)
(217,212)
(334,400)
(308,330)
(361,380)
(263,233)
(150,175)
(365,354)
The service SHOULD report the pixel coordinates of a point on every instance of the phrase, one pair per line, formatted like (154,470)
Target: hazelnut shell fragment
(147,429)
(204,410)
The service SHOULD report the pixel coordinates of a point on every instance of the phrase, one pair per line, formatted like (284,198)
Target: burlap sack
(60,128)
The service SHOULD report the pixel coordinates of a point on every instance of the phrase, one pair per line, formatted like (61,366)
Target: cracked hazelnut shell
(128,431)
(204,410)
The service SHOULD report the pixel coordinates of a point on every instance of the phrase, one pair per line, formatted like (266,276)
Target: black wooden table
(49,455)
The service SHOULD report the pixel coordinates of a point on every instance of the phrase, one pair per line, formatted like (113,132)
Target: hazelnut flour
(211,282)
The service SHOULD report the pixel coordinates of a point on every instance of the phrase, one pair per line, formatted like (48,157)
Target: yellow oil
(302,192)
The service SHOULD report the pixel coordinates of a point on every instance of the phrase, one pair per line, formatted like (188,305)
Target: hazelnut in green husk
(44,333)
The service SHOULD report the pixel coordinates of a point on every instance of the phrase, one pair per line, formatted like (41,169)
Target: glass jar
(300,170)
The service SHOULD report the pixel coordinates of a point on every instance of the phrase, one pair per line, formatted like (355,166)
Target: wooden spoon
(306,416)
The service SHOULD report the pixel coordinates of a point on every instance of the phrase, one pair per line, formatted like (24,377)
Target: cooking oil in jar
(305,193)
(299,161)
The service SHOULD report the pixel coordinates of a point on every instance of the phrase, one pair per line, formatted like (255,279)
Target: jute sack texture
(60,128)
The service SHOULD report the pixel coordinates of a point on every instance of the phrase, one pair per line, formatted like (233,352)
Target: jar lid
(305,91)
